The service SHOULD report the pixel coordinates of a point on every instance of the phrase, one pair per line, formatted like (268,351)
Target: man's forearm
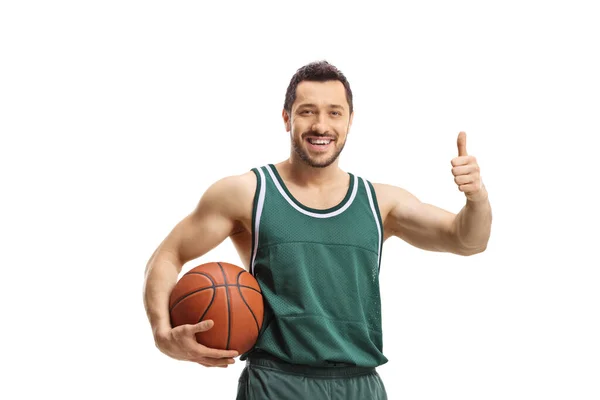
(161,276)
(474,224)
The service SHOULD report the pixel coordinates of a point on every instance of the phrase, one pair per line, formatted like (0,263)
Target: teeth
(319,141)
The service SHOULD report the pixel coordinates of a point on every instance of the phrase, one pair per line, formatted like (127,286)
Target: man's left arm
(434,229)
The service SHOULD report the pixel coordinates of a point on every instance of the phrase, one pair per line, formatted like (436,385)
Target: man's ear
(286,120)
(350,122)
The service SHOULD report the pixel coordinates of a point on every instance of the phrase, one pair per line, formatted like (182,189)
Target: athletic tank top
(319,274)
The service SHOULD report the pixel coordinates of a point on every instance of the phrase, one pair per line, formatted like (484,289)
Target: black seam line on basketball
(209,305)
(191,293)
(195,291)
(245,302)
(212,287)
(220,285)
(228,306)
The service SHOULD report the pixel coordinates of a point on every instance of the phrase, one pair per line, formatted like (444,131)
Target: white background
(115,117)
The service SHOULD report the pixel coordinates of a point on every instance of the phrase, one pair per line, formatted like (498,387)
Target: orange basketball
(225,293)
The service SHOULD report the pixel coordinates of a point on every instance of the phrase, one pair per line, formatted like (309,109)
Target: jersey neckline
(341,204)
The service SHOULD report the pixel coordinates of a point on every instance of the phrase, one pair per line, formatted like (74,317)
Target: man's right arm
(212,221)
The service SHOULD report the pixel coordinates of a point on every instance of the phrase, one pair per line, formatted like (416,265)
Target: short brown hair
(318,71)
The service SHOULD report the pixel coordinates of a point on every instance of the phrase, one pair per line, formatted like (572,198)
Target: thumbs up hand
(466,172)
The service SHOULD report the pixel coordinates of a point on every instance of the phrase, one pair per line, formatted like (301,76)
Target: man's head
(318,105)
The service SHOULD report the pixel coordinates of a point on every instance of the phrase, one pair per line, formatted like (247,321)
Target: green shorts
(267,378)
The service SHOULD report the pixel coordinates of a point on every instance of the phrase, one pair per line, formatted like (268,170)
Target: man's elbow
(471,251)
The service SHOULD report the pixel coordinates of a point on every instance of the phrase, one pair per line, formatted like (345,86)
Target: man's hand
(180,343)
(466,172)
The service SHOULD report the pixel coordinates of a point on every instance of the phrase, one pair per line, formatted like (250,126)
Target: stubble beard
(304,156)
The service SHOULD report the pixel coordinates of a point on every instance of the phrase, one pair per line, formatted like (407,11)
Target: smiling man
(312,236)
(318,146)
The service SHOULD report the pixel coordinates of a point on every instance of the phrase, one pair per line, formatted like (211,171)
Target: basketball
(226,294)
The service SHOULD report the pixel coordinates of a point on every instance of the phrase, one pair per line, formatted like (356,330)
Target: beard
(312,161)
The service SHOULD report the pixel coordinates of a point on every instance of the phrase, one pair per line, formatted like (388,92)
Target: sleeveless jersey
(319,274)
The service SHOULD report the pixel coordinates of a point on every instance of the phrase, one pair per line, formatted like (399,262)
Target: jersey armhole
(376,205)
(372,189)
(257,204)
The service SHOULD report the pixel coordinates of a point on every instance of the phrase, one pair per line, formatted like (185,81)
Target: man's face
(319,122)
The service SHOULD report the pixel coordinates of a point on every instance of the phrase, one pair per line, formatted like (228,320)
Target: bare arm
(473,224)
(214,219)
(429,227)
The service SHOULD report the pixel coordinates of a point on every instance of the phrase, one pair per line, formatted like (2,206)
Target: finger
(468,188)
(464,179)
(203,326)
(462,144)
(210,366)
(210,355)
(216,362)
(465,170)
(219,365)
(463,160)
(216,353)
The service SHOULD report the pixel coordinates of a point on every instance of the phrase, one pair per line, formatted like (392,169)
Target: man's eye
(336,113)
(305,111)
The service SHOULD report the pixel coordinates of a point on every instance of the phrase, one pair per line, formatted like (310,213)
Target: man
(312,236)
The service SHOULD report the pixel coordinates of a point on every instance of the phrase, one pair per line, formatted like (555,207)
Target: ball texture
(225,293)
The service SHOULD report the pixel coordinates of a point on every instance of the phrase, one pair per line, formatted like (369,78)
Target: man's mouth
(319,141)
(319,144)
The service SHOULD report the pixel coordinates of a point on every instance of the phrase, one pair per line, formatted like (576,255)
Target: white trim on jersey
(259,208)
(376,219)
(312,214)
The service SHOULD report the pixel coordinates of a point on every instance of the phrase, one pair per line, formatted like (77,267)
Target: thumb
(204,325)
(462,144)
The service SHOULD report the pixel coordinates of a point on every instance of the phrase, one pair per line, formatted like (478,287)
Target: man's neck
(302,174)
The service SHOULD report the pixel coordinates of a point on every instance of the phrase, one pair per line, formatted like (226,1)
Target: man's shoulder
(231,195)
(388,189)
(384,189)
(390,195)
(236,185)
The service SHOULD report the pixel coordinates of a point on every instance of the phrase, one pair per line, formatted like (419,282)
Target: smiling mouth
(319,141)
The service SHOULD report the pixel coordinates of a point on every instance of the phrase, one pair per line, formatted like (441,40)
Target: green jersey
(319,274)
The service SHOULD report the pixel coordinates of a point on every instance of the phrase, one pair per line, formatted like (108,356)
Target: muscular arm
(424,225)
(215,218)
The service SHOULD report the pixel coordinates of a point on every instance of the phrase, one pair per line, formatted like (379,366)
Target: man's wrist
(160,332)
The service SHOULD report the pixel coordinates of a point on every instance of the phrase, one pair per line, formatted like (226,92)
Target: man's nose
(320,125)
